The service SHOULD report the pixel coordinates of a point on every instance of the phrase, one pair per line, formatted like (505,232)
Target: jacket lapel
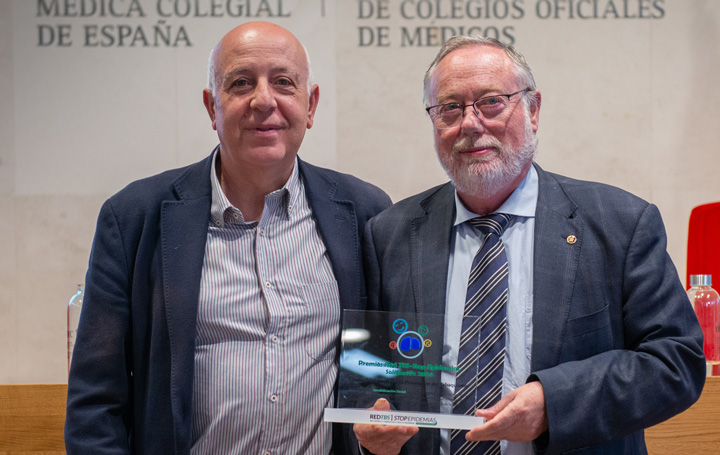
(337,223)
(183,234)
(555,267)
(430,235)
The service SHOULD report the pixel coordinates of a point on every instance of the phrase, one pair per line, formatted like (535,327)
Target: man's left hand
(518,416)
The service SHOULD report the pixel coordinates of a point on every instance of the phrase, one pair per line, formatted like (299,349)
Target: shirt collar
(521,203)
(222,211)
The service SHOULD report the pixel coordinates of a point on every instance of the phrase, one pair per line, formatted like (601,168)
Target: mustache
(468,142)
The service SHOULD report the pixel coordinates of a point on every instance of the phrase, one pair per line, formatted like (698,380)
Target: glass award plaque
(400,357)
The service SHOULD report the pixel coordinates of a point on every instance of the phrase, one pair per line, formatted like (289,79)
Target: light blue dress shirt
(519,244)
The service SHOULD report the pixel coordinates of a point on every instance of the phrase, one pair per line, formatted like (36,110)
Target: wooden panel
(32,418)
(695,431)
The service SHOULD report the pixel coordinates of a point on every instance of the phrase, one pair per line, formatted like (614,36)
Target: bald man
(213,295)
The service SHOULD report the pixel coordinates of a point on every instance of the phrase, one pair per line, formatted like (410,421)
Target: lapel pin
(571,239)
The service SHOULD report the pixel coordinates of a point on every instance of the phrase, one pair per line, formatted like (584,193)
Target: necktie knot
(495,223)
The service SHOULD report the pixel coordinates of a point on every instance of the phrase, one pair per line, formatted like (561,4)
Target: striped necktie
(481,358)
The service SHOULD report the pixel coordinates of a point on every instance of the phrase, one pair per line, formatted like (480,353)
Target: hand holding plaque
(383,439)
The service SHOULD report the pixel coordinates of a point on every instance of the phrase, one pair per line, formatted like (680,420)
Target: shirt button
(275,339)
(273,398)
(262,231)
(267,452)
(268,284)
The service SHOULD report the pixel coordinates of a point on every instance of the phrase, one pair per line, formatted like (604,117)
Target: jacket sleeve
(99,395)
(654,367)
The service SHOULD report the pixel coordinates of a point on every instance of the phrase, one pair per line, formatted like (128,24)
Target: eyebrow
(233,73)
(446,98)
(245,69)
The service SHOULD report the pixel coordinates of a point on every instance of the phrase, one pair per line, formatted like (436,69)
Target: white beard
(484,177)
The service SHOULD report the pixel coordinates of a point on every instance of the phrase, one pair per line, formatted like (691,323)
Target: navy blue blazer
(131,380)
(616,343)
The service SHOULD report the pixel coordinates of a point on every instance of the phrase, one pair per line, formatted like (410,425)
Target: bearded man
(586,336)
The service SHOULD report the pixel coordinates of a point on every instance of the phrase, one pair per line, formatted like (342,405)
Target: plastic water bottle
(73,318)
(706,303)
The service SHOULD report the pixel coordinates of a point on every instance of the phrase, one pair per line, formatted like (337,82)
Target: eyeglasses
(450,115)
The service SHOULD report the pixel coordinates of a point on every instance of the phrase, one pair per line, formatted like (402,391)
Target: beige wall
(627,100)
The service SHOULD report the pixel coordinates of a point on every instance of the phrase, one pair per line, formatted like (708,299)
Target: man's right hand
(383,439)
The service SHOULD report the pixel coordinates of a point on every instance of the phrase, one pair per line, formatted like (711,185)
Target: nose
(263,98)
(471,121)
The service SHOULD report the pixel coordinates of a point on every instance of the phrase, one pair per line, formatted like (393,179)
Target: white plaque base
(403,418)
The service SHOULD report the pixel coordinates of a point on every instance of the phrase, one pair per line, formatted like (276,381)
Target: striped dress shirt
(267,329)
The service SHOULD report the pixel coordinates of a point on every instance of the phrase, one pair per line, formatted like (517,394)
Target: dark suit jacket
(130,385)
(616,344)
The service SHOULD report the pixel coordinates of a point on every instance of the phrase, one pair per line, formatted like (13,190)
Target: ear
(314,98)
(209,101)
(535,111)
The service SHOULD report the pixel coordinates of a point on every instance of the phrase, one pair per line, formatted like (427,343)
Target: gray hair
(522,69)
(212,68)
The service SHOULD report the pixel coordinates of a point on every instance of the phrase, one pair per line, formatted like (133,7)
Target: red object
(703,253)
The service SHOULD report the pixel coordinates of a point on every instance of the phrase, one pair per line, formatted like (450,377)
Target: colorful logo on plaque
(410,344)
